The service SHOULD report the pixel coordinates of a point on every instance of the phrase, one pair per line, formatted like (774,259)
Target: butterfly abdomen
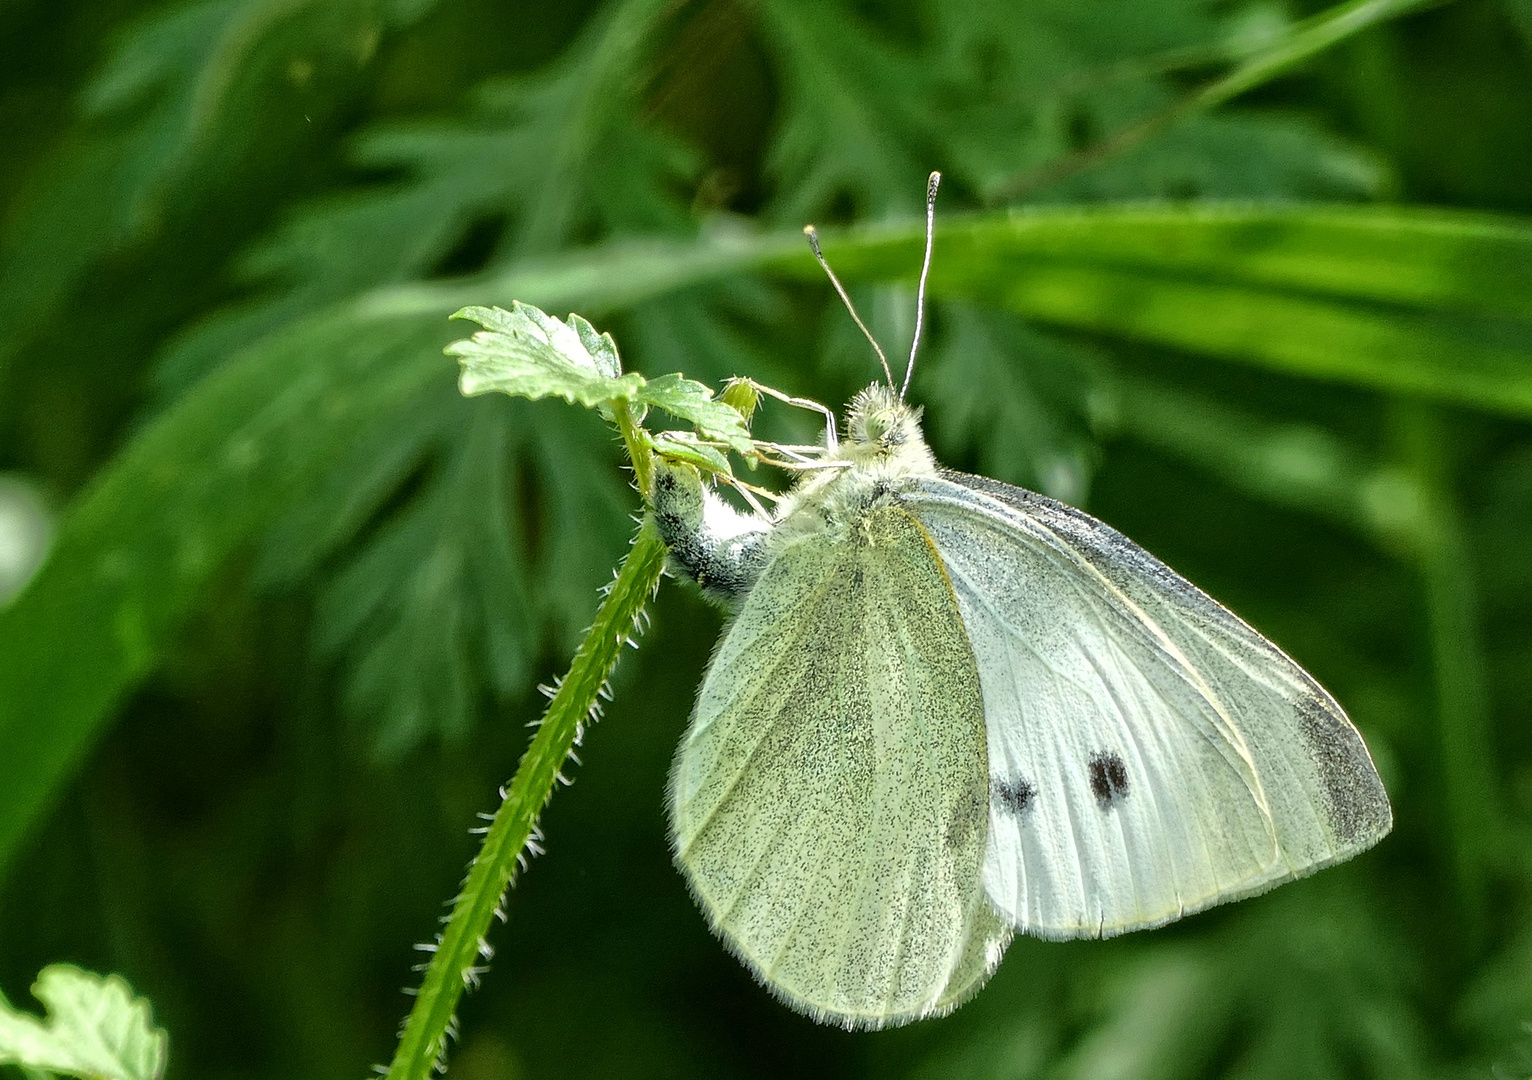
(710,542)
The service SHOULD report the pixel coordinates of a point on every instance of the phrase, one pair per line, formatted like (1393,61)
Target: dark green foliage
(287,642)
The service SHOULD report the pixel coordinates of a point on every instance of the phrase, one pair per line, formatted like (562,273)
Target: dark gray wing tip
(1355,801)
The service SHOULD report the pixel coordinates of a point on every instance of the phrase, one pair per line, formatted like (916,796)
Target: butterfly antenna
(813,235)
(925,268)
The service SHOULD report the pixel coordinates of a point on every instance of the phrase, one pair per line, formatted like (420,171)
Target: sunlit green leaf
(689,400)
(95,1029)
(703,457)
(525,353)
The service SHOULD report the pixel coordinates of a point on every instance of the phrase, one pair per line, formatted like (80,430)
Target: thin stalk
(1310,38)
(1466,741)
(458,951)
(638,453)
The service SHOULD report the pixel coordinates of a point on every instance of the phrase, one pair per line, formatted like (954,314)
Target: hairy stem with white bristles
(459,950)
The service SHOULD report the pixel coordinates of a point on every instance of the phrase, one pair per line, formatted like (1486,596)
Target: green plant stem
(638,455)
(453,966)
(1475,827)
(1310,38)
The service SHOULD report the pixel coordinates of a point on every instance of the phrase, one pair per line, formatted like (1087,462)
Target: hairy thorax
(884,449)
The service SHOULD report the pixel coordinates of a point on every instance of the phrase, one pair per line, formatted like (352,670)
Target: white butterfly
(947,708)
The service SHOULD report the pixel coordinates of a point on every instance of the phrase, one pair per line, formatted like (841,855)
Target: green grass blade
(1473,819)
(1431,304)
(1298,335)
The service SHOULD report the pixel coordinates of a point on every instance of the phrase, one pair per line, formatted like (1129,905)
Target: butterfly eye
(881,427)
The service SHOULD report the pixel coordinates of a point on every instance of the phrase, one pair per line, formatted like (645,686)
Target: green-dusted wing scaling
(829,804)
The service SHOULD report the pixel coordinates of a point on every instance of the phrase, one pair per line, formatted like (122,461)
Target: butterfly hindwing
(1150,754)
(828,804)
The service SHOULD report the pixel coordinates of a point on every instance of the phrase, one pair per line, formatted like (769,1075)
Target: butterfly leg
(710,542)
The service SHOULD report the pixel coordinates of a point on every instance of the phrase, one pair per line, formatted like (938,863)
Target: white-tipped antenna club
(925,269)
(813,235)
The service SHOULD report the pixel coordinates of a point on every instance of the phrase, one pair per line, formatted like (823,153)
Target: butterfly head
(881,429)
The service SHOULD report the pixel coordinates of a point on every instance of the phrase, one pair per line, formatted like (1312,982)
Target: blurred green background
(298,594)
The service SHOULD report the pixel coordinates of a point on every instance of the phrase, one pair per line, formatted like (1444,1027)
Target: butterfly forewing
(1149,753)
(829,803)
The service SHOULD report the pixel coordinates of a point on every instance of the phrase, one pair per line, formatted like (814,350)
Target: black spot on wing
(1355,803)
(1108,778)
(1015,796)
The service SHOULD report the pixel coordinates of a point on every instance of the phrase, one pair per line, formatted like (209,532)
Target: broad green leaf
(1413,352)
(95,1029)
(691,401)
(1409,256)
(526,353)
(136,548)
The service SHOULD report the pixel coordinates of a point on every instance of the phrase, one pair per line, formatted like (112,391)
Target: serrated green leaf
(1231,155)
(437,606)
(527,353)
(691,401)
(601,348)
(703,457)
(449,598)
(95,1029)
(1005,90)
(857,112)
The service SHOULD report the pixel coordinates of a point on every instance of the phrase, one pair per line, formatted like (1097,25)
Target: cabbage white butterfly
(947,708)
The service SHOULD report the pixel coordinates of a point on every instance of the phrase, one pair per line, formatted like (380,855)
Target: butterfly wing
(828,804)
(1150,754)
